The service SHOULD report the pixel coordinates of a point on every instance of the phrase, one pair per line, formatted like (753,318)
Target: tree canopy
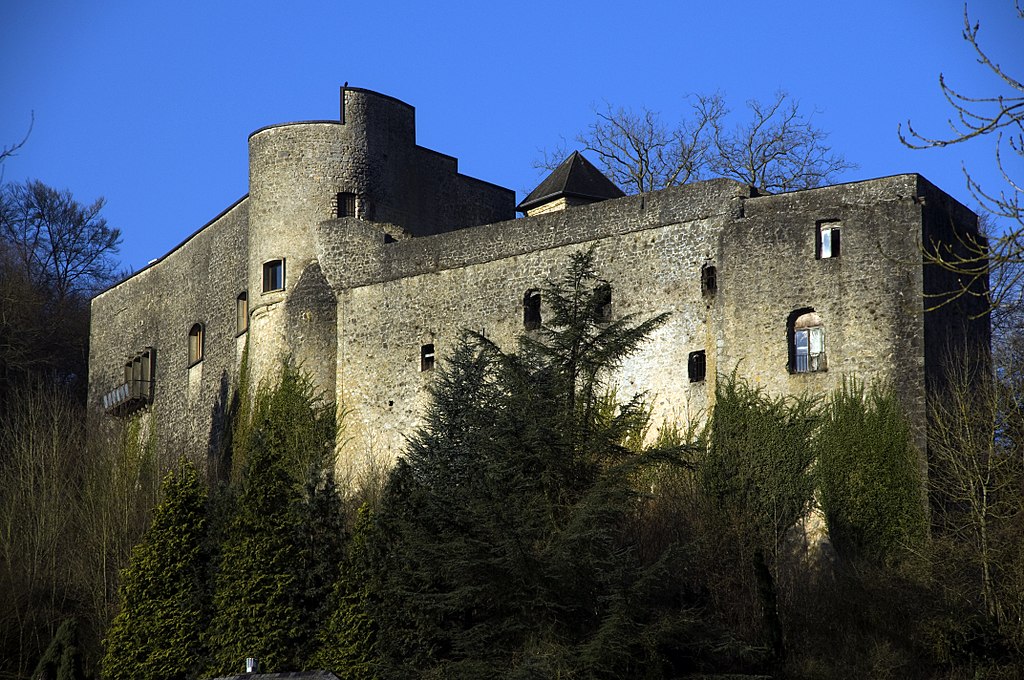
(776,148)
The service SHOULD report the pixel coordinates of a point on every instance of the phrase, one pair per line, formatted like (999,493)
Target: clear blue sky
(149,104)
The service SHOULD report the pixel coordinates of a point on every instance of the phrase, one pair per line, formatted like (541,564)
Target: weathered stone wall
(396,297)
(869,298)
(198,282)
(956,324)
(431,253)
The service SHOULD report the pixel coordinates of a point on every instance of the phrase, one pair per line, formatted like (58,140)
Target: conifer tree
(504,540)
(868,474)
(348,642)
(62,659)
(157,632)
(283,542)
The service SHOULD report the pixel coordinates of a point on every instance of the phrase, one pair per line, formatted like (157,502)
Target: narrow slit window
(195,344)
(273,275)
(828,240)
(603,302)
(531,310)
(697,366)
(708,279)
(427,357)
(346,204)
(241,313)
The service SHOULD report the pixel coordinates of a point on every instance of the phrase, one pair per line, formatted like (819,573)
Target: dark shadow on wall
(222,415)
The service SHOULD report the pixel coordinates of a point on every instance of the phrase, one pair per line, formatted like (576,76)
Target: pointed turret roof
(576,177)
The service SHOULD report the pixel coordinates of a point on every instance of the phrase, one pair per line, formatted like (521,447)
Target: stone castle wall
(431,253)
(198,282)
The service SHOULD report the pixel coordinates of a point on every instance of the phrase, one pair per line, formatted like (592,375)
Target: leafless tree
(55,253)
(998,255)
(64,246)
(10,150)
(976,424)
(778,149)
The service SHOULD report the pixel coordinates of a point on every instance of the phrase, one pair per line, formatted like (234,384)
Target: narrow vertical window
(241,313)
(273,275)
(697,366)
(531,310)
(708,280)
(427,357)
(346,204)
(148,373)
(195,344)
(828,240)
(603,302)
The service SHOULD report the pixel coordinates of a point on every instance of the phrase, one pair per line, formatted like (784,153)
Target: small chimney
(252,665)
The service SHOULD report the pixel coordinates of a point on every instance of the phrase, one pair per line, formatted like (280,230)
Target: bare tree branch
(779,149)
(1000,253)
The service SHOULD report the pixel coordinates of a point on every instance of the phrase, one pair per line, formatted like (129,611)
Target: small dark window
(531,310)
(697,366)
(346,205)
(708,279)
(195,344)
(828,240)
(273,275)
(427,357)
(241,313)
(603,302)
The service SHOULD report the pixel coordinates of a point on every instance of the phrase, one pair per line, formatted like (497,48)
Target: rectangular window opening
(708,280)
(273,275)
(531,310)
(603,302)
(697,366)
(828,240)
(427,357)
(346,204)
(241,313)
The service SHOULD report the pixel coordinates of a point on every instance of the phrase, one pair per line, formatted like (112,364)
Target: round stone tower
(301,174)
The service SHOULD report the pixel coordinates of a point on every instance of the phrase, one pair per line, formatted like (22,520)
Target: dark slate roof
(576,177)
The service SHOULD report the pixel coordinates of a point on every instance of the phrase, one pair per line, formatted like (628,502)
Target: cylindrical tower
(301,174)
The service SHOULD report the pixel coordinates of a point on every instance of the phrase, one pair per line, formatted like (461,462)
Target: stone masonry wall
(868,298)
(396,297)
(196,282)
(382,327)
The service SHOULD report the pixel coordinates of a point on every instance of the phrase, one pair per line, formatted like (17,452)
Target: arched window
(531,310)
(807,346)
(241,313)
(195,344)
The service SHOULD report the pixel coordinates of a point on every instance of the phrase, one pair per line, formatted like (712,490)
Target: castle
(364,256)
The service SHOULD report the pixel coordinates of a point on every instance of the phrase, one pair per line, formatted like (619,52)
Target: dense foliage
(869,476)
(158,631)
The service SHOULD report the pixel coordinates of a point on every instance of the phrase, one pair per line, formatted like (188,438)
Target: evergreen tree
(348,641)
(62,659)
(157,632)
(283,543)
(504,544)
(756,481)
(868,475)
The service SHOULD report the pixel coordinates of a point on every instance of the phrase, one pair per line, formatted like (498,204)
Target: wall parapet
(356,254)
